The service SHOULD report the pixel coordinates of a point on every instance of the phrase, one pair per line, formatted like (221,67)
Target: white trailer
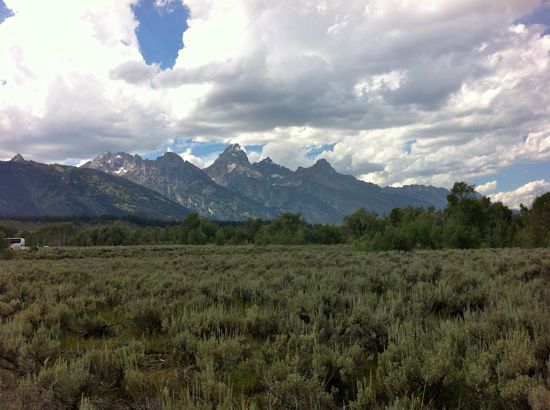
(16,243)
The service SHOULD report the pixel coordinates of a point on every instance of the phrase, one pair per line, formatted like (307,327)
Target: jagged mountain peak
(232,156)
(324,164)
(233,153)
(120,155)
(271,169)
(268,163)
(321,166)
(171,157)
(170,154)
(230,163)
(233,148)
(17,158)
(125,154)
(118,163)
(183,182)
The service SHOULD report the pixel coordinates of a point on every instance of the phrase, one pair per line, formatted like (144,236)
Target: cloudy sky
(392,91)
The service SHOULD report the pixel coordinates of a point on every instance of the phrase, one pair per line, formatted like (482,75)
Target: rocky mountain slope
(35,189)
(319,192)
(182,182)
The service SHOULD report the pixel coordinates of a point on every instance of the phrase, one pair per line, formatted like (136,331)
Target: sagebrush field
(312,327)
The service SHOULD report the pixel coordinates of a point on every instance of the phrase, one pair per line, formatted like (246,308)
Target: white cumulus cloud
(487,188)
(525,194)
(201,162)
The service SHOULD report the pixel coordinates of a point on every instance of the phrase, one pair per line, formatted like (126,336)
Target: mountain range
(29,188)
(232,188)
(181,182)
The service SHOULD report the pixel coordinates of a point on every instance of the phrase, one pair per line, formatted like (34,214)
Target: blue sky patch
(175,144)
(4,11)
(407,148)
(313,152)
(254,148)
(541,15)
(160,30)
(518,174)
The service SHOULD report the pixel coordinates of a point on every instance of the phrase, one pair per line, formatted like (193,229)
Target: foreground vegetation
(316,327)
(469,221)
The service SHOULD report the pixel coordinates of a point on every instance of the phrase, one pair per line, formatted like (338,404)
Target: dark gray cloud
(134,72)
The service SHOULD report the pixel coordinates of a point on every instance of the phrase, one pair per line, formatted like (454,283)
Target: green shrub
(95,327)
(515,393)
(67,378)
(275,327)
(185,348)
(539,398)
(147,318)
(86,404)
(260,324)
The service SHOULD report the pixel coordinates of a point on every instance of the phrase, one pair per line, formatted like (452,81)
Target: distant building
(15,243)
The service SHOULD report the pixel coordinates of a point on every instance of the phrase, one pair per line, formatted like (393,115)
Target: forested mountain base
(274,328)
(469,221)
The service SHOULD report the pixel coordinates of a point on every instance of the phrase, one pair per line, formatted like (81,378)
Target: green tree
(500,227)
(327,234)
(361,222)
(189,224)
(473,221)
(461,190)
(536,222)
(252,227)
(393,238)
(465,216)
(287,229)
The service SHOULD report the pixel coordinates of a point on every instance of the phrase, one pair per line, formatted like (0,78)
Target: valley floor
(313,327)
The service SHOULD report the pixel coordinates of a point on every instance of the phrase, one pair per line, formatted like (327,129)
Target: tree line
(468,221)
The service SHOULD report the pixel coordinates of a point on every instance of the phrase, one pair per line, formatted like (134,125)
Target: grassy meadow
(274,327)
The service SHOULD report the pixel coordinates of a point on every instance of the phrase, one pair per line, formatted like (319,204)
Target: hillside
(35,189)
(182,182)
